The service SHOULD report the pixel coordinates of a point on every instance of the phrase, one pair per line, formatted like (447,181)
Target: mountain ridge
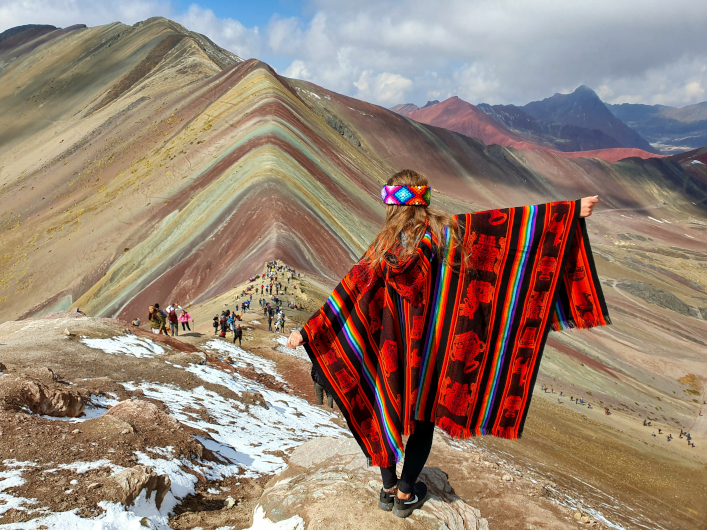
(151,179)
(583,108)
(671,129)
(492,127)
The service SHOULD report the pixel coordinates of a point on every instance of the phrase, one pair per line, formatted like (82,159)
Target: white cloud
(226,32)
(297,70)
(384,88)
(497,51)
(508,51)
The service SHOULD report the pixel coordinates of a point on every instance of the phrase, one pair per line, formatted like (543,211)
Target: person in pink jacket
(185,318)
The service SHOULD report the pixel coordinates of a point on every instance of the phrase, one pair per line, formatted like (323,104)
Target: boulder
(2,367)
(329,484)
(133,480)
(41,391)
(142,415)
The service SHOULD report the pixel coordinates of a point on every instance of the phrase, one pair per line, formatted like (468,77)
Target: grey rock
(324,476)
(230,502)
(135,479)
(654,295)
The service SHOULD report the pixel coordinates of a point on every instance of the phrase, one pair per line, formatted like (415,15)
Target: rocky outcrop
(328,485)
(654,295)
(42,392)
(134,480)
(143,415)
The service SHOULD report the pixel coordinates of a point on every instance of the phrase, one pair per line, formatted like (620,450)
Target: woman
(443,322)
(157,320)
(185,318)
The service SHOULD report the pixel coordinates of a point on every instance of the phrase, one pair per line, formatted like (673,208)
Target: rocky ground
(102,423)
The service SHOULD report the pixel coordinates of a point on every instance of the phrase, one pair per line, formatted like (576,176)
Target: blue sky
(257,13)
(399,51)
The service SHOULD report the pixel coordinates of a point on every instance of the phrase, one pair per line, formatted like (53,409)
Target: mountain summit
(583,108)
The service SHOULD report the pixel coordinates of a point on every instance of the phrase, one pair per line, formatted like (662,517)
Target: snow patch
(245,436)
(128,344)
(114,517)
(243,358)
(13,479)
(260,522)
(84,467)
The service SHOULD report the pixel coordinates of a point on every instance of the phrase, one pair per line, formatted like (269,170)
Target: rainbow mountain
(142,163)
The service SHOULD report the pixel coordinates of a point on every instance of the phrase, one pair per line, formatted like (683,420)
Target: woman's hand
(295,340)
(587,205)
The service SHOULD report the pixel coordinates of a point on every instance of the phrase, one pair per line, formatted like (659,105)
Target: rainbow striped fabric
(406,195)
(458,340)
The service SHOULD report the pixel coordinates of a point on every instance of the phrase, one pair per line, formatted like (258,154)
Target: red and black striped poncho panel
(455,334)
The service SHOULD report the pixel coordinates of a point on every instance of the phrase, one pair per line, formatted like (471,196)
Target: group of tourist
(580,401)
(228,322)
(669,436)
(172,316)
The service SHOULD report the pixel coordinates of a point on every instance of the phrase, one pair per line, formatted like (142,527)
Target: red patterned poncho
(456,345)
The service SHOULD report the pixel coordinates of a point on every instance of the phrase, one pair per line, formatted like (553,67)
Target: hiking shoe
(387,499)
(403,508)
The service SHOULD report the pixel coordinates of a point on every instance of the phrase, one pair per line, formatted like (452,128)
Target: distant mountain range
(669,129)
(571,123)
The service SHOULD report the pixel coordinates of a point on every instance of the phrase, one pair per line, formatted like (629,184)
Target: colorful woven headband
(406,195)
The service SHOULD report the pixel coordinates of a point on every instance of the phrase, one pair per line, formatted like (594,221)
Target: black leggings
(416,452)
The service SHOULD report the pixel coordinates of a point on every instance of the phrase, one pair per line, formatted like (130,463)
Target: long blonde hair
(412,221)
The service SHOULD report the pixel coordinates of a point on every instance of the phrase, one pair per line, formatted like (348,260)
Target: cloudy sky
(388,52)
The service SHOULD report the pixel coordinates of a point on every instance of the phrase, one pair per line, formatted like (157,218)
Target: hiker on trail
(238,334)
(164,328)
(401,354)
(173,320)
(319,389)
(185,318)
(223,321)
(216,325)
(270,320)
(174,307)
(157,320)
